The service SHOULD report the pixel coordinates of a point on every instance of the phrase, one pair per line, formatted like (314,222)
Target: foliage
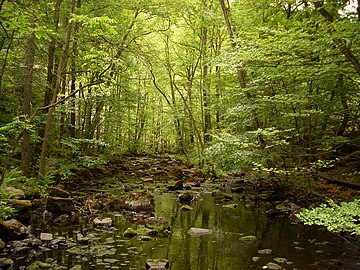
(39,185)
(343,217)
(11,178)
(6,211)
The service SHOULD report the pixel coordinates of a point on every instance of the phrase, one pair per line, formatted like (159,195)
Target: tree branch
(71,94)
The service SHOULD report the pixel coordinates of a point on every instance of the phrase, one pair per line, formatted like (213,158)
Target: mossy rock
(272,266)
(248,238)
(39,265)
(130,232)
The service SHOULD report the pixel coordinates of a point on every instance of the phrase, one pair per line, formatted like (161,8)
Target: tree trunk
(51,57)
(72,129)
(27,94)
(61,67)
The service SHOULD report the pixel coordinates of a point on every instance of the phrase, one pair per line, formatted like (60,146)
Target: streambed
(285,244)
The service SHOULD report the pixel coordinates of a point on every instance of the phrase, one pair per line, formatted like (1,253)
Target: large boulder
(58,192)
(60,205)
(12,230)
(140,201)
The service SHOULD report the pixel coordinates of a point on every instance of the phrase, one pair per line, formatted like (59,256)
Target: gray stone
(46,236)
(158,264)
(265,251)
(199,231)
(104,222)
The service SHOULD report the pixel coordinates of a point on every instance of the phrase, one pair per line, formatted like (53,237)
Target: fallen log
(354,185)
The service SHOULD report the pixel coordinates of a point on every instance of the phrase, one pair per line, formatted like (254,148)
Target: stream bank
(112,210)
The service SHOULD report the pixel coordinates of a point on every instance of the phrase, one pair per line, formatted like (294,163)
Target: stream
(279,241)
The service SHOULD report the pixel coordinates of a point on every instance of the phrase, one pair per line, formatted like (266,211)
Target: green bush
(343,217)
(6,211)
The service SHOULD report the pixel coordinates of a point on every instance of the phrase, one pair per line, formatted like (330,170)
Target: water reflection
(305,247)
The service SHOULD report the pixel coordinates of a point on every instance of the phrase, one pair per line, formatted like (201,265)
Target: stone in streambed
(158,264)
(199,231)
(46,236)
(140,201)
(265,251)
(248,238)
(59,204)
(6,263)
(39,265)
(130,232)
(272,266)
(12,230)
(105,222)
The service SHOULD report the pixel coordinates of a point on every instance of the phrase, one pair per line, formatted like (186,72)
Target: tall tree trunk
(6,57)
(27,93)
(205,87)
(61,67)
(241,72)
(51,57)
(72,129)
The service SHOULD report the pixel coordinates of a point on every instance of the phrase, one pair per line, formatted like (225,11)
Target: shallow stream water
(303,247)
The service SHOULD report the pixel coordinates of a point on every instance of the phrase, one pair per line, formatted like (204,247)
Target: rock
(282,207)
(2,244)
(156,223)
(266,251)
(57,242)
(272,266)
(75,250)
(15,193)
(6,263)
(187,197)
(12,230)
(255,259)
(147,180)
(81,239)
(22,208)
(144,238)
(32,242)
(62,219)
(281,260)
(231,205)
(186,207)
(39,265)
(274,212)
(59,205)
(58,192)
(105,222)
(199,231)
(175,185)
(46,236)
(130,232)
(140,201)
(248,238)
(158,264)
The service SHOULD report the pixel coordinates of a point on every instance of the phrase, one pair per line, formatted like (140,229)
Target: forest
(228,85)
(268,87)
